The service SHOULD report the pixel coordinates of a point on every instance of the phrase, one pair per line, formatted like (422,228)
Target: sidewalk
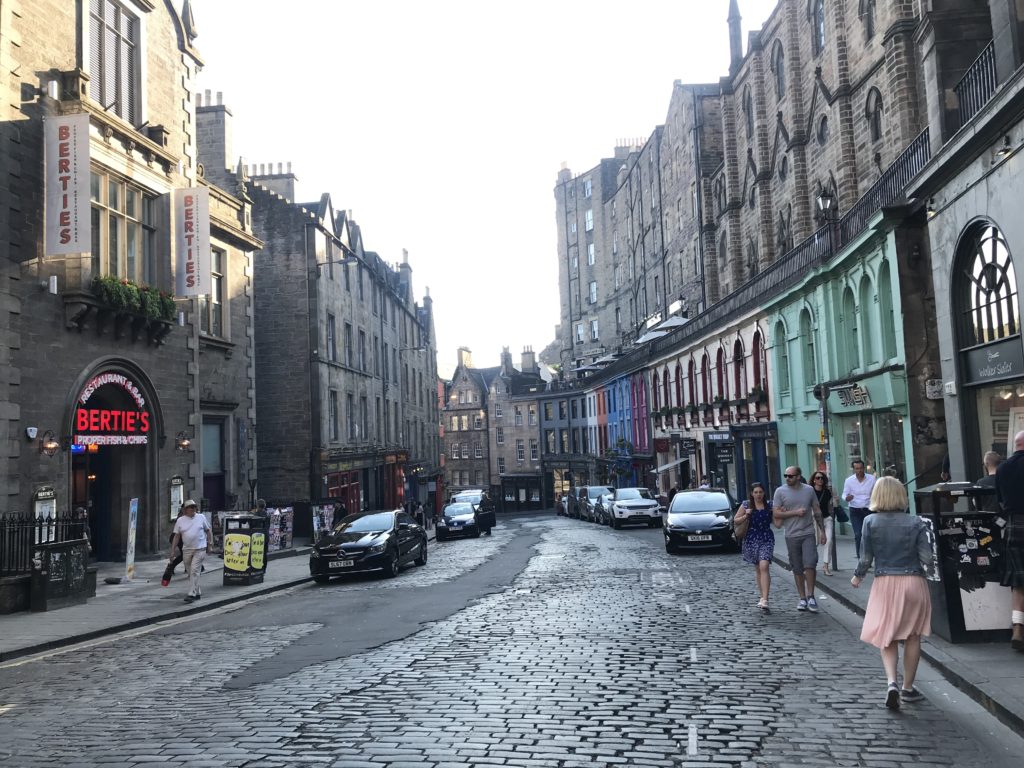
(990,673)
(119,607)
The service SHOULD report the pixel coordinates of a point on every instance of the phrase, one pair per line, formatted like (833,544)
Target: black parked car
(700,520)
(368,541)
(603,508)
(458,519)
(588,499)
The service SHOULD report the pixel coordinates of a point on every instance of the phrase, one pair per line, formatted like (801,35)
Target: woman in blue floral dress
(759,543)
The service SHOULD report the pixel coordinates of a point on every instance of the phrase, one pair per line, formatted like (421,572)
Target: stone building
(111,389)
(345,358)
(466,420)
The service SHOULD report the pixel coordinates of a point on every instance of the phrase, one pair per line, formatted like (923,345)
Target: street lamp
(828,209)
(821,393)
(350,259)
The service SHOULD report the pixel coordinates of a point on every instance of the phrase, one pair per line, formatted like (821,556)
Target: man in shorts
(795,508)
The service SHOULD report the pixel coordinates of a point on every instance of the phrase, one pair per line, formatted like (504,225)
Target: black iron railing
(20,534)
(888,189)
(976,86)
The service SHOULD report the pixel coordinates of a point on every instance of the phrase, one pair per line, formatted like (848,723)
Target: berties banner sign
(192,225)
(66,140)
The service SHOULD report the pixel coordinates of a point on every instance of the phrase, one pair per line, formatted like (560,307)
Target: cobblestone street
(603,651)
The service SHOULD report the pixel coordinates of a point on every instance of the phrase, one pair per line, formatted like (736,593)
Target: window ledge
(215,342)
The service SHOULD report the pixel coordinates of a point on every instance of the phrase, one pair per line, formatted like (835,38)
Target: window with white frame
(534,449)
(588,220)
(478,452)
(332,414)
(593,292)
(572,227)
(211,308)
(465,450)
(593,331)
(464,422)
(531,415)
(498,412)
(455,450)
(591,258)
(478,421)
(520,450)
(588,188)
(575,263)
(332,344)
(501,465)
(455,423)
(518,410)
(499,435)
(579,333)
(123,229)
(114,57)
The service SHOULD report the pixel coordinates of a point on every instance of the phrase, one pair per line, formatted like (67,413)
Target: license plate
(348,563)
(705,537)
(639,513)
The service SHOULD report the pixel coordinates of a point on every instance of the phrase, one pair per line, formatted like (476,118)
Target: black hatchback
(368,541)
(700,520)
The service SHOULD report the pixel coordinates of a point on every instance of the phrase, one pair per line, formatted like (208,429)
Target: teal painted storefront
(841,326)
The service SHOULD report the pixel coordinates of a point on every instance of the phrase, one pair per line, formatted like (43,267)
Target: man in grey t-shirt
(795,508)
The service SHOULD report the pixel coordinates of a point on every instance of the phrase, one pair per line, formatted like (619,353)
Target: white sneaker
(812,605)
(802,605)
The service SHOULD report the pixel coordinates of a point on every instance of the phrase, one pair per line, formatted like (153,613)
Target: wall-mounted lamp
(48,443)
(1005,393)
(1020,390)
(1006,149)
(343,262)
(182,442)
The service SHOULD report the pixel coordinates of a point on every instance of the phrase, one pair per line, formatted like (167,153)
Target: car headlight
(314,553)
(442,523)
(376,549)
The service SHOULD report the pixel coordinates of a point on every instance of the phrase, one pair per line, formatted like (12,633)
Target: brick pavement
(586,659)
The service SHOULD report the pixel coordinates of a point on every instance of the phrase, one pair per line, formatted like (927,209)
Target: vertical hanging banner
(192,228)
(66,140)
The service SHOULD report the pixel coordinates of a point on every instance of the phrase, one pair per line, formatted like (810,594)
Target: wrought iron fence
(20,534)
(888,189)
(976,86)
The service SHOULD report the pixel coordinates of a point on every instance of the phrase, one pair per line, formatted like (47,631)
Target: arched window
(655,385)
(679,386)
(810,365)
(987,300)
(779,69)
(818,25)
(748,111)
(866,12)
(705,378)
(753,266)
(782,357)
(849,337)
(887,319)
(692,380)
(739,370)
(665,388)
(866,330)
(758,361)
(873,114)
(721,374)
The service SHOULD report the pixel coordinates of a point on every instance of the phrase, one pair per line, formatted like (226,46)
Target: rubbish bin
(968,603)
(245,549)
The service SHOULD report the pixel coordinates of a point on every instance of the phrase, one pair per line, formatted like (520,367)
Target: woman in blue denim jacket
(899,606)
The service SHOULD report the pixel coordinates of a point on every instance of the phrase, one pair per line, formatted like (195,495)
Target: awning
(671,464)
(673,322)
(650,336)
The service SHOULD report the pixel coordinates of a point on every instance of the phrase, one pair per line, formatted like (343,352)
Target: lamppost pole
(821,392)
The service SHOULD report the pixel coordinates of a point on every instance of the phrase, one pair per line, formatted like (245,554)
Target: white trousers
(193,559)
(825,550)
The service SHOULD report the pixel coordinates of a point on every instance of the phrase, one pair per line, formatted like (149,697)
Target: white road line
(686,608)
(693,654)
(691,746)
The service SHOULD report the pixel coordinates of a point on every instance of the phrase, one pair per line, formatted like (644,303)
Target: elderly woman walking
(759,540)
(899,606)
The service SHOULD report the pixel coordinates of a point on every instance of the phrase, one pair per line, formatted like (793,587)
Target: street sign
(689,445)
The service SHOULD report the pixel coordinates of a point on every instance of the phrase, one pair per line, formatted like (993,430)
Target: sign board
(854,397)
(689,445)
(994,362)
(724,454)
(177,496)
(192,241)
(68,209)
(111,410)
(717,437)
(129,555)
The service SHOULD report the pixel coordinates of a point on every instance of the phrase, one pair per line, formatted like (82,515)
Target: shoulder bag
(739,529)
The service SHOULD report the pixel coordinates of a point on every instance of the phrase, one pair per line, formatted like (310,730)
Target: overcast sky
(442,125)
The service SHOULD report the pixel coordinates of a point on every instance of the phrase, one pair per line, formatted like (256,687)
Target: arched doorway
(115,427)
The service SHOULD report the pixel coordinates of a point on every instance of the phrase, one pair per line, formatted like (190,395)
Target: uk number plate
(705,537)
(343,563)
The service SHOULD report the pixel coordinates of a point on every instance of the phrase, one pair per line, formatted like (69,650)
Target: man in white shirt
(193,533)
(857,493)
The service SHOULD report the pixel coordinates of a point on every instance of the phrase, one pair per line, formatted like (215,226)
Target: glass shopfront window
(877,439)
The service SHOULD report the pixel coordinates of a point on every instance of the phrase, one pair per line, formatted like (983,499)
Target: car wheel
(476,534)
(422,559)
(392,567)
(321,579)
(670,549)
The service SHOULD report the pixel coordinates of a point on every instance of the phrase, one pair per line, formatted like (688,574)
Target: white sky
(442,125)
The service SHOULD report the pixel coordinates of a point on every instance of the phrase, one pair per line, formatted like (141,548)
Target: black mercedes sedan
(458,519)
(700,520)
(368,541)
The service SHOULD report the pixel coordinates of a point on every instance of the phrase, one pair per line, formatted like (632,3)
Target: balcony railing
(976,86)
(888,189)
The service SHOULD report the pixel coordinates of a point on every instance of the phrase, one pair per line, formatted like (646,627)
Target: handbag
(841,515)
(739,530)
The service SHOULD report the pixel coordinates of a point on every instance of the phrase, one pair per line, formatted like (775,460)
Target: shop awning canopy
(673,322)
(671,464)
(650,336)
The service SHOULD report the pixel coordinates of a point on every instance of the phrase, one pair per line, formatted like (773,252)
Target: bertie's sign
(106,423)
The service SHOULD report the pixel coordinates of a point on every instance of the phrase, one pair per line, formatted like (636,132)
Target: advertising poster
(236,551)
(129,555)
(68,215)
(258,547)
(192,242)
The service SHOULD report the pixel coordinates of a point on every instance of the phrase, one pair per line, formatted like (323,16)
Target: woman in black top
(819,482)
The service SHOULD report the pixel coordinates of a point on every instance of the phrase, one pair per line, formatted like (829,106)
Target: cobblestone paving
(605,651)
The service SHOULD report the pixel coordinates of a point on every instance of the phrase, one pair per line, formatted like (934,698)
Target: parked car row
(697,519)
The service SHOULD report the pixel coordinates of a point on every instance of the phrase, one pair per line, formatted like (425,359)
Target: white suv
(635,505)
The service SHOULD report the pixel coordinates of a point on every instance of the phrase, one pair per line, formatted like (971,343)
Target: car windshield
(700,502)
(467,498)
(378,521)
(452,510)
(597,492)
(625,494)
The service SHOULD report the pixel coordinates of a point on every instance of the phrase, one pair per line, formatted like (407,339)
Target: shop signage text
(111,426)
(67,184)
(854,397)
(995,362)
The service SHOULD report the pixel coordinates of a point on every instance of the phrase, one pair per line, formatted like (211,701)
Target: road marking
(686,608)
(693,654)
(691,746)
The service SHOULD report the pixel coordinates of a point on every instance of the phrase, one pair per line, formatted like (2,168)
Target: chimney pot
(208,98)
(279,166)
(220,98)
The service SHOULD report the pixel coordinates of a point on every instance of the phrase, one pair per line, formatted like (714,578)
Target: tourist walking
(899,606)
(193,534)
(759,541)
(795,509)
(1010,492)
(857,493)
(823,492)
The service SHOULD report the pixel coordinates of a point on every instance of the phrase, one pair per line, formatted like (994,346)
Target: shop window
(782,358)
(987,300)
(211,308)
(123,229)
(885,312)
(809,352)
(114,56)
(866,329)
(849,337)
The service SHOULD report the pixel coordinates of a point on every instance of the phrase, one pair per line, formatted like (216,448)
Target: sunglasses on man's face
(790,477)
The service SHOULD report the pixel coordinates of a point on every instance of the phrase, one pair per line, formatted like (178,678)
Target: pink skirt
(898,607)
